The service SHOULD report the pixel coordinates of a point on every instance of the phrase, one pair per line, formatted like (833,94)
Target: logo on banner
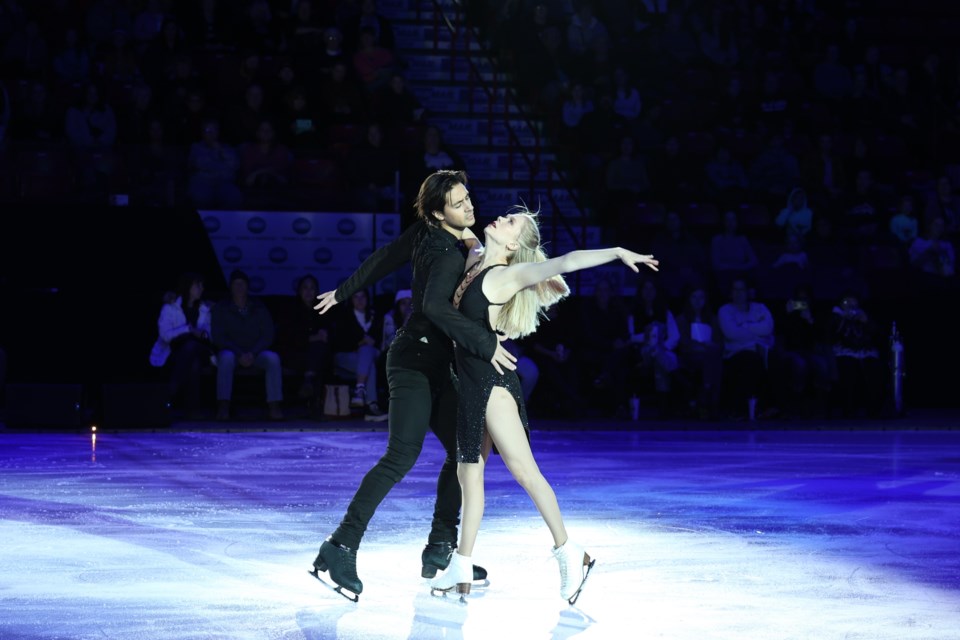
(322,256)
(364,254)
(233,254)
(346,226)
(256,225)
(302,226)
(278,255)
(257,284)
(211,224)
(389,227)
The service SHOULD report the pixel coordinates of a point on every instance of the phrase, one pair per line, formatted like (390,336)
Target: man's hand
(327,300)
(503,358)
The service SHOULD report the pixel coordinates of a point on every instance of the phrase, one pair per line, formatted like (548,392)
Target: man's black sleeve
(381,263)
(445,269)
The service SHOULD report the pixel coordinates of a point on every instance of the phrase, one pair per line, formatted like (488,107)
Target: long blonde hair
(521,315)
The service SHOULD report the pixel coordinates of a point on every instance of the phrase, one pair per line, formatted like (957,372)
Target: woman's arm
(502,284)
(474,245)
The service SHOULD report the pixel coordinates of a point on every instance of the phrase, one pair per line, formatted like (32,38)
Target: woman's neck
(493,255)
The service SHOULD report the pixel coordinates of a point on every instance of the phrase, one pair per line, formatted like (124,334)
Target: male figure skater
(418,373)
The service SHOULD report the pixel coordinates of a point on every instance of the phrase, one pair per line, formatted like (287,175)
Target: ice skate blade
(576,594)
(430,571)
(462,589)
(315,572)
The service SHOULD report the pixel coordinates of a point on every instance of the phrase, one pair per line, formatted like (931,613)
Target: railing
(535,165)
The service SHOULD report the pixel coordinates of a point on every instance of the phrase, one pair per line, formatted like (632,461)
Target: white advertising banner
(276,248)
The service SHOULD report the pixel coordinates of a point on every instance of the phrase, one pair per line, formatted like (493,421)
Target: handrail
(534,165)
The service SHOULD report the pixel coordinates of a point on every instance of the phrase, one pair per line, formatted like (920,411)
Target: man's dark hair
(433,193)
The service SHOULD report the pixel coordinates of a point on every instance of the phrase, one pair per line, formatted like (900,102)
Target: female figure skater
(506,288)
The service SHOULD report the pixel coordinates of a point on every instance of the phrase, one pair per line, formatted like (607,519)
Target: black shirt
(437,270)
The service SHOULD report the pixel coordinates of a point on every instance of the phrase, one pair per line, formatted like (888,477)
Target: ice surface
(697,535)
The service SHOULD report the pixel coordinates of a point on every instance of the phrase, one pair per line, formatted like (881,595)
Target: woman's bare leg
(506,430)
(470,475)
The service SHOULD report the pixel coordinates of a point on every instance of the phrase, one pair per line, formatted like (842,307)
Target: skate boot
(341,562)
(436,557)
(575,565)
(459,576)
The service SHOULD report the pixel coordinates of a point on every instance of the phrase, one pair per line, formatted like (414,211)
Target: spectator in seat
(265,163)
(551,349)
(943,203)
(72,62)
(726,177)
(396,318)
(38,120)
(304,342)
(242,331)
(855,340)
(244,119)
(731,253)
(700,350)
(685,253)
(373,63)
(355,352)
(184,340)
(862,210)
(394,105)
(793,255)
(372,172)
(91,124)
(212,171)
(341,98)
(904,226)
(747,328)
(157,168)
(803,356)
(625,178)
(933,254)
(796,217)
(653,329)
(603,345)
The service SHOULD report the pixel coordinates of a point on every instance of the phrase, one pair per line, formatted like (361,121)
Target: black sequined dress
(477,377)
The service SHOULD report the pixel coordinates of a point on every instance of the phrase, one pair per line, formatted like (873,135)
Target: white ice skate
(575,565)
(458,575)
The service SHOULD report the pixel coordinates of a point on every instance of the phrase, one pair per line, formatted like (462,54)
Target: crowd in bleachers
(795,163)
(257,103)
(798,148)
(704,108)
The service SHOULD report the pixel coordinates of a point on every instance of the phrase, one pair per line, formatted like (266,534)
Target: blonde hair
(521,315)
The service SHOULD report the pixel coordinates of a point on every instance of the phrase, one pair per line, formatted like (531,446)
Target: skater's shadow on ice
(572,622)
(321,623)
(437,617)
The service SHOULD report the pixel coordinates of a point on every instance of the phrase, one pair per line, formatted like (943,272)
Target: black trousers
(186,359)
(422,397)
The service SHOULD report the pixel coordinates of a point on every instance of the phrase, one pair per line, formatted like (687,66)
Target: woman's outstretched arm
(504,283)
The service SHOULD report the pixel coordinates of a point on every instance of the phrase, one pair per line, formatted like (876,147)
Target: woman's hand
(632,259)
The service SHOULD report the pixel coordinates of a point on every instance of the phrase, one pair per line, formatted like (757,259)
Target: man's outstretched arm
(377,266)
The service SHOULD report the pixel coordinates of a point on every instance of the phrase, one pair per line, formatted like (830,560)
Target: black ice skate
(341,562)
(436,557)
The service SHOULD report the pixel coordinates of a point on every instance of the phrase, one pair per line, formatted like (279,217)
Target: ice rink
(803,534)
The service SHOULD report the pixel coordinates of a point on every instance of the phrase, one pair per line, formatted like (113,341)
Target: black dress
(477,377)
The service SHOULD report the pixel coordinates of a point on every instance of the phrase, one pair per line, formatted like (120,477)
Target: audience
(747,330)
(304,342)
(728,109)
(184,340)
(242,332)
(356,353)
